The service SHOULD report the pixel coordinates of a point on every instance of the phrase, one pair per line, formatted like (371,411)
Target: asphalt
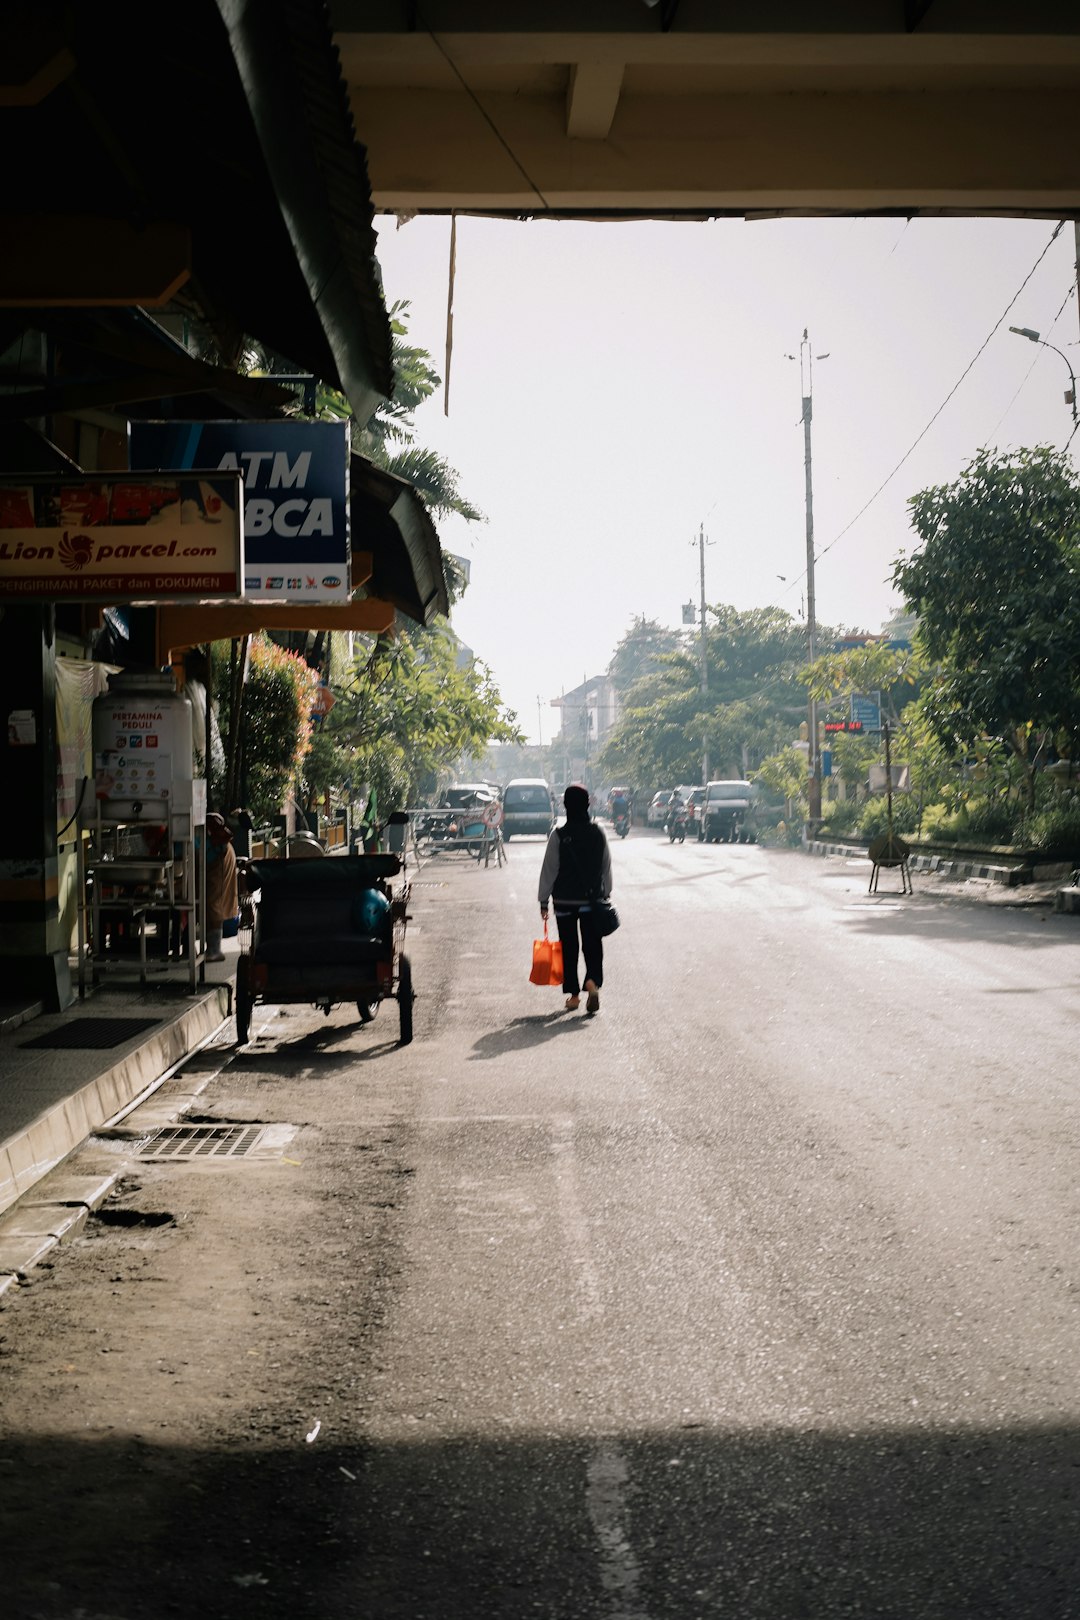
(53,1097)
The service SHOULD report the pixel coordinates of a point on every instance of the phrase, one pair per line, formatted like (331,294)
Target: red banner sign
(125,538)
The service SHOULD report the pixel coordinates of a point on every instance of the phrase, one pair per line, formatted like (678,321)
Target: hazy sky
(614,386)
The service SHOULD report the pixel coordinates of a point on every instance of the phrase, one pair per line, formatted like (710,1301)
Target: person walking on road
(577,867)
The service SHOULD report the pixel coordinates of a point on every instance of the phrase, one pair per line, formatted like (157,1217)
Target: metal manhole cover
(201,1142)
(87,1032)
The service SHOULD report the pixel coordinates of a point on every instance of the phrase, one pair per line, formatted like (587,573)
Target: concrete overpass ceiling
(582,108)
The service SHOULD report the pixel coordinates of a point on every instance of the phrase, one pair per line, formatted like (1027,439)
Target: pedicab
(324,932)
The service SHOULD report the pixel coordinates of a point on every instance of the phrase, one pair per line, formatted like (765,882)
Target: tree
(893,671)
(389,437)
(994,585)
(749,711)
(408,710)
(640,651)
(784,774)
(274,723)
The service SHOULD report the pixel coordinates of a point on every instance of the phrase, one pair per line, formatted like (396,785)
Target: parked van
(528,807)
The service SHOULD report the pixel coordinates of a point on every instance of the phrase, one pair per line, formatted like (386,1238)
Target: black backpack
(582,859)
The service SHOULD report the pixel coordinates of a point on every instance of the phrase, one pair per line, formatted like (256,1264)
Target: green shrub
(780,834)
(1055,832)
(992,820)
(937,822)
(841,818)
(983,821)
(874,816)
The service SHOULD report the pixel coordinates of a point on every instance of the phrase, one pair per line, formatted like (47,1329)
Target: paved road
(754,1296)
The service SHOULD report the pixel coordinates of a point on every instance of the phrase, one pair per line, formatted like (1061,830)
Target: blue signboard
(867,710)
(296,497)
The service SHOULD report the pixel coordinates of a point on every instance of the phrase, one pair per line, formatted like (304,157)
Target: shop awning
(391,521)
(192,624)
(204,160)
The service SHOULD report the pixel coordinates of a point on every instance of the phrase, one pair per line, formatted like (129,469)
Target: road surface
(754,1296)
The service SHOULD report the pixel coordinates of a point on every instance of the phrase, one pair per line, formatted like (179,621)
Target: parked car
(727,814)
(656,814)
(528,807)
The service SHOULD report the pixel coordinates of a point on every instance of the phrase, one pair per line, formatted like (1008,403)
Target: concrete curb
(959,871)
(30,1153)
(1067,899)
(28,1234)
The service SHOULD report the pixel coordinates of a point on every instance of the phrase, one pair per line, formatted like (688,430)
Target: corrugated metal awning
(391,521)
(202,160)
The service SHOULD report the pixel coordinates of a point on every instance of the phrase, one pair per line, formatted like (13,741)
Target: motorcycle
(621,824)
(677,824)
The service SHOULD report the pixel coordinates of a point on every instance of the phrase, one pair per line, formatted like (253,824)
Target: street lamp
(1033,337)
(703,657)
(806,380)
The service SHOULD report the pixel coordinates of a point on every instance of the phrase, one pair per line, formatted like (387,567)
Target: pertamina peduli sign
(124,538)
(296,497)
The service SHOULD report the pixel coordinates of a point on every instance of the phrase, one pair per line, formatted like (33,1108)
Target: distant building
(588,714)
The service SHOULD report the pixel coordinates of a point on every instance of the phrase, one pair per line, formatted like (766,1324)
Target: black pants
(569,919)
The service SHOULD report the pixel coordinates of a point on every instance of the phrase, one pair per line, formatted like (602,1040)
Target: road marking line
(607,1472)
(620,1574)
(574,1224)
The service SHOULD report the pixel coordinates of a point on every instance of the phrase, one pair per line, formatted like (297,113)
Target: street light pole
(806,378)
(703,653)
(1033,337)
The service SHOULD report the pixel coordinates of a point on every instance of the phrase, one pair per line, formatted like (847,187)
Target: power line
(977,355)
(485,115)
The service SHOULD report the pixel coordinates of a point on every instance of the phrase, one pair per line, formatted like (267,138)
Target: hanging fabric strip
(450,312)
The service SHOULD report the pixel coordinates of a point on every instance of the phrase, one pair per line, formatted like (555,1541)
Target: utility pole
(539,721)
(703,652)
(806,378)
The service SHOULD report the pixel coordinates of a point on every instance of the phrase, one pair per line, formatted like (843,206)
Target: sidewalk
(985,881)
(64,1075)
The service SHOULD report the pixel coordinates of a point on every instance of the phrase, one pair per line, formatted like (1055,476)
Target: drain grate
(86,1032)
(202,1142)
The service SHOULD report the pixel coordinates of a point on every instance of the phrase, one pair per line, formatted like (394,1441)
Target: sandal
(593,1003)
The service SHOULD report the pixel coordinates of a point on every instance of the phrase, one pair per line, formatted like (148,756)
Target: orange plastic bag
(547,960)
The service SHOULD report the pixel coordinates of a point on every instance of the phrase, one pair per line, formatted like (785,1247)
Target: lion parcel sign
(296,497)
(125,538)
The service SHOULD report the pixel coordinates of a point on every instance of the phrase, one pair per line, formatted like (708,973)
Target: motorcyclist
(620,804)
(675,804)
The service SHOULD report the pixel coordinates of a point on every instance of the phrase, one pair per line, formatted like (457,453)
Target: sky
(617,387)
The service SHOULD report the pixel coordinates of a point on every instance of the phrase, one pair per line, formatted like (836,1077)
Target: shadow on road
(945,918)
(911,1524)
(521,1033)
(315,1048)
